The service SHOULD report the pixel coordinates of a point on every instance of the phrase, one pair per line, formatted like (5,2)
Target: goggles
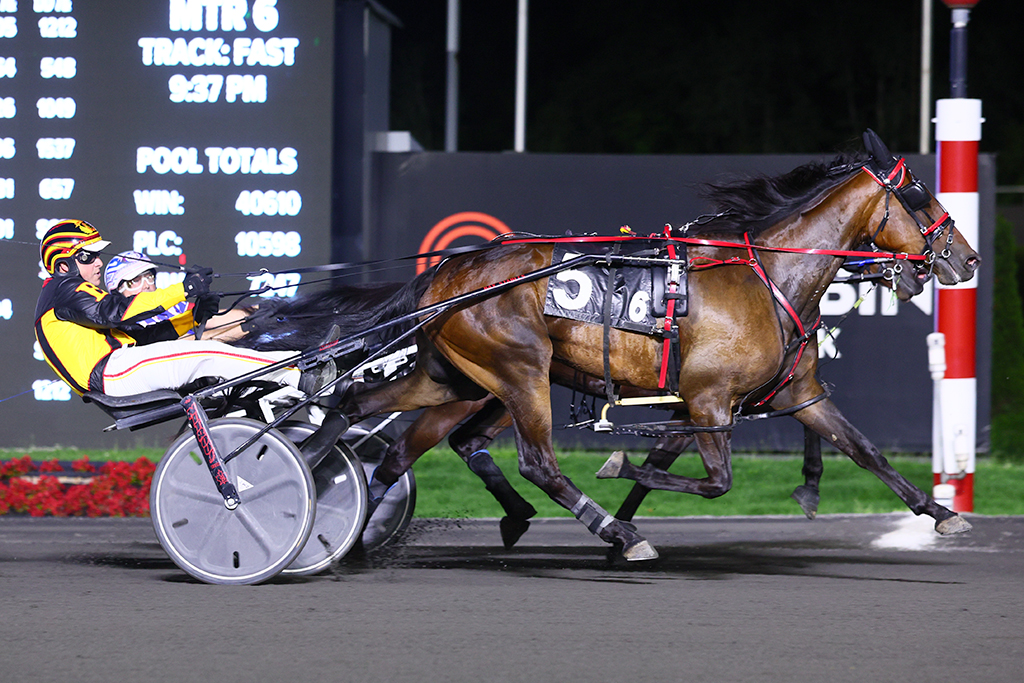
(148,277)
(86,257)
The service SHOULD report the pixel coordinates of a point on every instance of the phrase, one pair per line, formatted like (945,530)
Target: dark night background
(649,77)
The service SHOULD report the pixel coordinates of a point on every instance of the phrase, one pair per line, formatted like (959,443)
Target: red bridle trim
(717,243)
(936,225)
(900,167)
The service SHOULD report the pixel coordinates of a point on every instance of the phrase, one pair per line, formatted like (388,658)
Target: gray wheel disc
(260,537)
(341,503)
(392,517)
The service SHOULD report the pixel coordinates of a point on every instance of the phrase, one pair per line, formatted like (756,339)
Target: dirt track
(844,598)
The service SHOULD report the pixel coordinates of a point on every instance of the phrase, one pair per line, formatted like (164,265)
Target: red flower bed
(120,489)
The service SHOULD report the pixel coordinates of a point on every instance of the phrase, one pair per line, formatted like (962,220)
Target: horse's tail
(300,323)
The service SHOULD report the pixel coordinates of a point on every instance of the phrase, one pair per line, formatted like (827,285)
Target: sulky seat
(141,410)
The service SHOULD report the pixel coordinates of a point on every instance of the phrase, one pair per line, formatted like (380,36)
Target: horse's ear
(877,149)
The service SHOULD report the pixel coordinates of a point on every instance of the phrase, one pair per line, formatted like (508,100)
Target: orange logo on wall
(463,224)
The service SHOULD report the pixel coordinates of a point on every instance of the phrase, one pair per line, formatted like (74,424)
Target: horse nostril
(972,263)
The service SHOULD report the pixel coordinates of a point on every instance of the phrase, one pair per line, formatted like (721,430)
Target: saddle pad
(578,294)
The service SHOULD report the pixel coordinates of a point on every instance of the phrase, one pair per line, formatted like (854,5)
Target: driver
(94,342)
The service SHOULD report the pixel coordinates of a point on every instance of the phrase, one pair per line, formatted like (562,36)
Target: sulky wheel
(257,539)
(392,517)
(341,502)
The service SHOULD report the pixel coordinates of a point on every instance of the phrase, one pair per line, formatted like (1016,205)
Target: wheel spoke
(196,493)
(255,529)
(266,488)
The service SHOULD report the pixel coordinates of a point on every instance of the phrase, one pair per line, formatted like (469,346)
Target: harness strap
(776,292)
(670,331)
(609,387)
(781,299)
(890,186)
(701,242)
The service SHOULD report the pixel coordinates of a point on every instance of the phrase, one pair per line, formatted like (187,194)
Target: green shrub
(1007,350)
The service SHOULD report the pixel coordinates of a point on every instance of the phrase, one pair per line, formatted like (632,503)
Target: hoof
(521,511)
(613,466)
(808,499)
(638,551)
(953,525)
(511,530)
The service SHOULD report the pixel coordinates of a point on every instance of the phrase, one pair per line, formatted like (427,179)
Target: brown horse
(297,324)
(734,343)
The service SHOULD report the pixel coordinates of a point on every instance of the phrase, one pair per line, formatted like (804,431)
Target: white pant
(172,364)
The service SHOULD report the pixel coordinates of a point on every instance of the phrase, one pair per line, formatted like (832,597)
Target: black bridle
(913,194)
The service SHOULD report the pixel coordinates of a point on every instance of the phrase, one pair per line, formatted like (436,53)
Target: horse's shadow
(703,562)
(706,562)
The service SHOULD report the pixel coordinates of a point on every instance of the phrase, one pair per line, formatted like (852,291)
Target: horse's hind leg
(528,401)
(539,466)
(825,419)
(470,441)
(423,434)
(532,425)
(807,494)
(418,389)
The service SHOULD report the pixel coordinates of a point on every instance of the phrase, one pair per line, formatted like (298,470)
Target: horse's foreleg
(470,441)
(715,448)
(803,388)
(706,411)
(825,419)
(666,450)
(807,494)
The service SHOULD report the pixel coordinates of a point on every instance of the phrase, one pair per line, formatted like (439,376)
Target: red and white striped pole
(957,131)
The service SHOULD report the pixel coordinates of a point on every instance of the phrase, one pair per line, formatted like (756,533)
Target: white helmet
(127,265)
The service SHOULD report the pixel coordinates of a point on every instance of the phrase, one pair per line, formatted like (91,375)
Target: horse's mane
(756,203)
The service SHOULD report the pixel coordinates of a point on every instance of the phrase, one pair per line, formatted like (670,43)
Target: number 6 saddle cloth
(638,293)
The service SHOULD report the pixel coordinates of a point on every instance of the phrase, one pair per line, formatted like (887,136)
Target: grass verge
(761,484)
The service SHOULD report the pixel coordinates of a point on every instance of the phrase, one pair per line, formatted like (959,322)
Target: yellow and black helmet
(66,239)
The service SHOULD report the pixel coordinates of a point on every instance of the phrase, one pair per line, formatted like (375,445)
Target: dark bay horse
(735,341)
(297,324)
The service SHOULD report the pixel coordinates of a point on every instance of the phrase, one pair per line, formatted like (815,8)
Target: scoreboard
(193,131)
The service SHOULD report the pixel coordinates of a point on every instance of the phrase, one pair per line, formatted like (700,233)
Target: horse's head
(915,224)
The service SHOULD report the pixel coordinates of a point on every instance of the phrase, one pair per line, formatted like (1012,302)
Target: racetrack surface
(842,598)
